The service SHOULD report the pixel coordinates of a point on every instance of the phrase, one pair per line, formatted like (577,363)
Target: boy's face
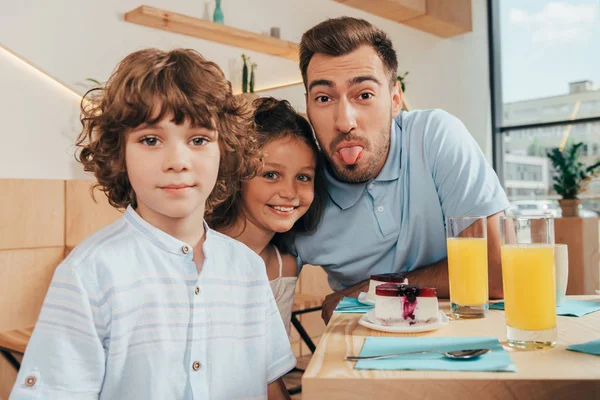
(172,169)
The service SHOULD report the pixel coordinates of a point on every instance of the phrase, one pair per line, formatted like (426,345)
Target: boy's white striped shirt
(121,320)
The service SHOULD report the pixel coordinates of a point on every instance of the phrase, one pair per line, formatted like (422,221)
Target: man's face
(351,105)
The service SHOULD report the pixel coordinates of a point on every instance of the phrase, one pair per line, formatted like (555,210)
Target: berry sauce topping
(411,292)
(409,309)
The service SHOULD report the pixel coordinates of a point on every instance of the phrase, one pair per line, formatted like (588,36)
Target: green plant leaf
(592,168)
(559,189)
(570,174)
(400,78)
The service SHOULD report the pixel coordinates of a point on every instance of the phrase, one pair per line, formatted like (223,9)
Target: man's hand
(332,300)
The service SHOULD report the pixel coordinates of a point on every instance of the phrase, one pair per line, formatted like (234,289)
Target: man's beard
(357,173)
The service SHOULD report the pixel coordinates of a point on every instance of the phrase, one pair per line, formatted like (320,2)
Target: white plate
(362,298)
(598,292)
(367,321)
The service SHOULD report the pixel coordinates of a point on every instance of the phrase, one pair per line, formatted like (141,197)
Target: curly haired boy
(157,305)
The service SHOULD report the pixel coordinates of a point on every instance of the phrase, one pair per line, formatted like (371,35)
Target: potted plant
(570,177)
(245,73)
(248,72)
(400,78)
(252,68)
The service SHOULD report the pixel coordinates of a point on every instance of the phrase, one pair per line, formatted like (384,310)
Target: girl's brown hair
(147,86)
(276,119)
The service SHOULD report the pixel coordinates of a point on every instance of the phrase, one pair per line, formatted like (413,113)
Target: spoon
(454,355)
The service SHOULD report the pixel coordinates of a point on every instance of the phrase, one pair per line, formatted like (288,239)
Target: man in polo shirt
(392,176)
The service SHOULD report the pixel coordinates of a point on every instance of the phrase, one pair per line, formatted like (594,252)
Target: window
(545,71)
(550,61)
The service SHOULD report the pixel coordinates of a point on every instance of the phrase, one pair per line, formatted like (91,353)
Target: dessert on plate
(398,304)
(383,278)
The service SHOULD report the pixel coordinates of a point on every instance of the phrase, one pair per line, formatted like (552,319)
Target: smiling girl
(284,199)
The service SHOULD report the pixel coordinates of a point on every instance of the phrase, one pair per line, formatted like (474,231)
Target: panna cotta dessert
(398,304)
(384,278)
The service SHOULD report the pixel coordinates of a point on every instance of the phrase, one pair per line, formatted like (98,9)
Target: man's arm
(436,275)
(277,390)
(332,300)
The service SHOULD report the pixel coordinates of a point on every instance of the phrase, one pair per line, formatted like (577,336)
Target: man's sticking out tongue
(350,155)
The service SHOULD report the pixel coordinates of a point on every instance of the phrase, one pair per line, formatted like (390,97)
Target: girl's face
(283,191)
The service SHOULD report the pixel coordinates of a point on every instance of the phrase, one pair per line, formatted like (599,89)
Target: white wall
(73,40)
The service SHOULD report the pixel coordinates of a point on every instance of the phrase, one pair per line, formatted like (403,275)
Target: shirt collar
(345,195)
(162,239)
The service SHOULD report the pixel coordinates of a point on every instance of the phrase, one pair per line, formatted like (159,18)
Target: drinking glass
(528,277)
(466,239)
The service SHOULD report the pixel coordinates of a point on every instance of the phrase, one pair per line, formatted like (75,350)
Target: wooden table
(542,374)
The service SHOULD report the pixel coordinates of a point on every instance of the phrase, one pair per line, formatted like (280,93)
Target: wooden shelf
(395,10)
(199,28)
(444,18)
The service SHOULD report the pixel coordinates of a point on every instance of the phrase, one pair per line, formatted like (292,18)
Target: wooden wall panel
(32,213)
(68,251)
(26,276)
(313,281)
(84,215)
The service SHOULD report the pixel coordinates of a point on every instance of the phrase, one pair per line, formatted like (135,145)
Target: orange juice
(468,271)
(529,294)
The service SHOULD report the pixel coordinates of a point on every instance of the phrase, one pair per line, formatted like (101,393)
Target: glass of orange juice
(467,266)
(529,281)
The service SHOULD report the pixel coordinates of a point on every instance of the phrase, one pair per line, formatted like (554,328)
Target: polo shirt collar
(346,195)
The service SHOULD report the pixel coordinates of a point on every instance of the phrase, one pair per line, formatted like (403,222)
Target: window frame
(495,69)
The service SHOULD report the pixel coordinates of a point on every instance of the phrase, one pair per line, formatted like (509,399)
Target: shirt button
(185,249)
(371,186)
(380,209)
(30,381)
(196,365)
(197,290)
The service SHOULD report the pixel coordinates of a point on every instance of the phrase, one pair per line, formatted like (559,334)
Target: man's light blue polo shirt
(395,222)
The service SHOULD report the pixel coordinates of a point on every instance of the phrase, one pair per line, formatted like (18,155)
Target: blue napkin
(496,360)
(570,308)
(351,305)
(592,347)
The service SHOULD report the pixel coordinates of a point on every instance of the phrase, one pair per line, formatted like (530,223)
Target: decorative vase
(206,14)
(252,66)
(218,16)
(570,207)
(245,74)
